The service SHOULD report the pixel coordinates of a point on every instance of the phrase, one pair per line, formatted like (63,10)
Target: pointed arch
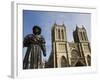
(63,61)
(62,32)
(89,60)
(59,34)
(79,63)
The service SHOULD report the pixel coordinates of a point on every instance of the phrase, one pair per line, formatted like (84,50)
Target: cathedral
(69,54)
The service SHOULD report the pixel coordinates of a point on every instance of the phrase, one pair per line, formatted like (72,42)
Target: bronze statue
(35,44)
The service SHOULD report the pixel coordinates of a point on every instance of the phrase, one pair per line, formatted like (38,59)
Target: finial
(76,26)
(55,23)
(63,23)
(83,27)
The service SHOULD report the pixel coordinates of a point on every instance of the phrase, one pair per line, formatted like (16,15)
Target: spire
(63,24)
(76,27)
(82,26)
(55,23)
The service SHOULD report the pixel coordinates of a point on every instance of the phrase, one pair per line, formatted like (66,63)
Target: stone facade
(69,54)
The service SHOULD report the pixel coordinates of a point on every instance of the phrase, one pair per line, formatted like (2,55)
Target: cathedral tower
(59,46)
(80,37)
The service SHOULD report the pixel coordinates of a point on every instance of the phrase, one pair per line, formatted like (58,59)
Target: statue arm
(27,40)
(43,47)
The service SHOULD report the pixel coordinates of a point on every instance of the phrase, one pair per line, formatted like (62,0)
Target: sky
(46,19)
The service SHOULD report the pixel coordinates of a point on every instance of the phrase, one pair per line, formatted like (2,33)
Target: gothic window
(89,60)
(59,33)
(63,62)
(62,32)
(74,54)
(56,33)
(84,36)
(81,35)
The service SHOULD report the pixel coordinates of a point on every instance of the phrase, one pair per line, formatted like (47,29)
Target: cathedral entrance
(76,60)
(79,64)
(63,62)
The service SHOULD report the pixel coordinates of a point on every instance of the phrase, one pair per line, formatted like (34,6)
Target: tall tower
(80,37)
(59,46)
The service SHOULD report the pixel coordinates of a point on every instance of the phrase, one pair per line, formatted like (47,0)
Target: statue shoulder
(28,36)
(42,39)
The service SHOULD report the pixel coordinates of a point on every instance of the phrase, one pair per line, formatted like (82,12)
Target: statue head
(36,30)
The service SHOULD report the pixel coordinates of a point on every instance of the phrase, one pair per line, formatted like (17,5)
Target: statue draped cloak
(35,47)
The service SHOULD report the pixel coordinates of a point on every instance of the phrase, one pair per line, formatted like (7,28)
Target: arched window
(59,33)
(56,33)
(74,54)
(63,62)
(85,38)
(89,60)
(81,35)
(62,32)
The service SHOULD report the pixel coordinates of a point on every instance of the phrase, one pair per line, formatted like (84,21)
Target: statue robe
(35,46)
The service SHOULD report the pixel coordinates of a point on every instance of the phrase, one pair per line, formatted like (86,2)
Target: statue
(35,44)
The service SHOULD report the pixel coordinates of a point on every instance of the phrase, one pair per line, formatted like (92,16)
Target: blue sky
(46,19)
